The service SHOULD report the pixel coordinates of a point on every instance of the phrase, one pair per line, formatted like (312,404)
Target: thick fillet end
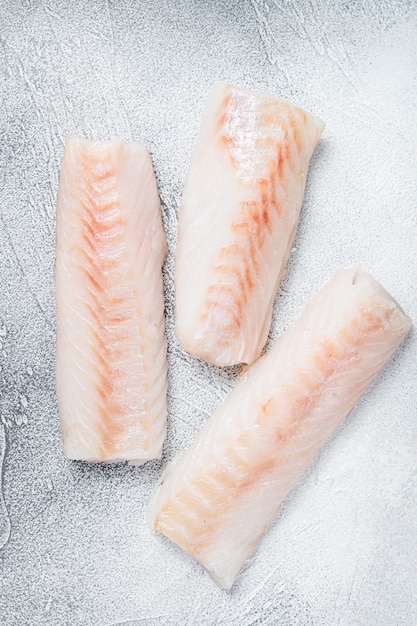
(358,278)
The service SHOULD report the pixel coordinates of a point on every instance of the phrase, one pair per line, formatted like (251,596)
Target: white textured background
(74,545)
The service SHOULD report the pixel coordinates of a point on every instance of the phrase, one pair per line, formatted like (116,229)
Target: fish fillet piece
(111,369)
(237,221)
(220,495)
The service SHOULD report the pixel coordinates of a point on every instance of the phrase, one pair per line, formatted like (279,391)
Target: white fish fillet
(238,217)
(111,369)
(218,498)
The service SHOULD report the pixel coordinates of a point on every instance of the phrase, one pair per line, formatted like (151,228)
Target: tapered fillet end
(319,124)
(223,574)
(393,316)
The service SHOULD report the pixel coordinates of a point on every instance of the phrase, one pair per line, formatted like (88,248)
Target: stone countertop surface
(74,544)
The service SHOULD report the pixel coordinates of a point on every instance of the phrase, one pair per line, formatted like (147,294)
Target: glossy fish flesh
(237,221)
(111,370)
(220,495)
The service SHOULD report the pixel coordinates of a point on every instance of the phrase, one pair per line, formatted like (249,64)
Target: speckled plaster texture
(75,547)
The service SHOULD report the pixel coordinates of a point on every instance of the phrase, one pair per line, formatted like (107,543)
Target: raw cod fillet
(111,367)
(217,499)
(237,221)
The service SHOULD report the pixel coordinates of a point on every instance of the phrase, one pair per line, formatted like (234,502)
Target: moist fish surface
(237,220)
(217,498)
(111,369)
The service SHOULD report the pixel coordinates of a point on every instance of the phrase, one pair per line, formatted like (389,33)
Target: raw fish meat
(237,221)
(220,495)
(111,370)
